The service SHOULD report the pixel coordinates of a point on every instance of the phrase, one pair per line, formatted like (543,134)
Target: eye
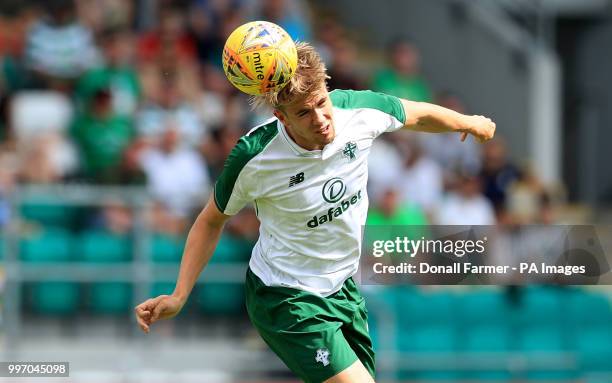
(321,103)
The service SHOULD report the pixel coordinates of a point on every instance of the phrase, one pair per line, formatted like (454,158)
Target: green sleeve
(352,99)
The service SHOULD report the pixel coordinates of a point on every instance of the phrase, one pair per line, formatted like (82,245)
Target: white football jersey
(311,204)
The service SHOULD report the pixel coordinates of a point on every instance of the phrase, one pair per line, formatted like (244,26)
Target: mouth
(324,130)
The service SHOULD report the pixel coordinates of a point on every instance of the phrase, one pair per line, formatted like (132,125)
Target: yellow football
(259,57)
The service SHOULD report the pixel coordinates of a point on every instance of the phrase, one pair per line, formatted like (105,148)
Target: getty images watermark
(487,254)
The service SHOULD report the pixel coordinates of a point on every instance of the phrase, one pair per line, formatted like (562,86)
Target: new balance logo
(296,179)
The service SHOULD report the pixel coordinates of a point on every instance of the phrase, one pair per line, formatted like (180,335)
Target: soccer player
(306,172)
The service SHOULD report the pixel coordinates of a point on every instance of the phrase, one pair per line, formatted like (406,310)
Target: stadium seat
(485,320)
(594,348)
(47,245)
(563,374)
(483,306)
(373,330)
(162,288)
(543,341)
(539,338)
(53,298)
(104,247)
(110,298)
(541,305)
(432,341)
(487,374)
(486,338)
(231,249)
(220,298)
(166,248)
(417,307)
(438,376)
(48,214)
(381,304)
(588,308)
(493,339)
(424,328)
(427,338)
(542,331)
(595,378)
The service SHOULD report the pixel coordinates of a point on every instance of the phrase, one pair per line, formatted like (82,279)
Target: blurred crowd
(132,93)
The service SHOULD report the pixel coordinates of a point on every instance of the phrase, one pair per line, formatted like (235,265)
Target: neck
(302,143)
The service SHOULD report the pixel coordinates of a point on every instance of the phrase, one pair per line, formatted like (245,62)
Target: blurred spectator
(538,239)
(8,180)
(34,113)
(389,218)
(388,210)
(402,78)
(116,217)
(339,52)
(161,220)
(58,48)
(466,205)
(384,164)
(546,211)
(328,33)
(453,155)
(244,226)
(216,101)
(170,45)
(48,158)
(207,40)
(343,71)
(102,138)
(219,145)
(12,28)
(292,16)
(420,180)
(525,199)
(39,122)
(164,101)
(15,20)
(176,175)
(210,22)
(210,106)
(117,74)
(100,15)
(498,173)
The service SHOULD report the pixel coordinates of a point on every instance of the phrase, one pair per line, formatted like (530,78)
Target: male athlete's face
(309,121)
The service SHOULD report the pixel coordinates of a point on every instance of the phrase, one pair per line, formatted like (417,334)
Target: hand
(154,309)
(482,128)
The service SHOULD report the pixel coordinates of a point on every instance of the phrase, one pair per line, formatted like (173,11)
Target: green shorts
(316,337)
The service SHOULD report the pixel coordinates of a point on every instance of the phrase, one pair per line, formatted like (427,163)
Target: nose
(318,118)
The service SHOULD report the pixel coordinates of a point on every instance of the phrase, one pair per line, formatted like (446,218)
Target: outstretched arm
(425,117)
(201,243)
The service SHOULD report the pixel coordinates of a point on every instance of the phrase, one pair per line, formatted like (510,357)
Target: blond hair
(309,76)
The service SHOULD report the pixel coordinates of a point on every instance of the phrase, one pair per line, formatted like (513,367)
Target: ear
(281,116)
